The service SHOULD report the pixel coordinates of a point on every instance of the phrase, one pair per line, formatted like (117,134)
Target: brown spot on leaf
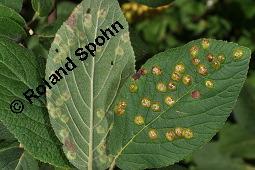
(69,145)
(71,20)
(195,94)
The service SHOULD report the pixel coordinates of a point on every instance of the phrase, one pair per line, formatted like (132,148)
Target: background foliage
(153,30)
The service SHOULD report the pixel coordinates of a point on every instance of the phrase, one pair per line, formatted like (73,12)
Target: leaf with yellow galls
(191,100)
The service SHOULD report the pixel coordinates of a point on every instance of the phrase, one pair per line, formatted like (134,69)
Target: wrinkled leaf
(78,103)
(190,114)
(42,7)
(12,14)
(14,4)
(154,3)
(11,29)
(20,71)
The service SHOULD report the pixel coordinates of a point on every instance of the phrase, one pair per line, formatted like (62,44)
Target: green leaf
(78,103)
(154,3)
(235,140)
(11,29)
(189,103)
(210,158)
(20,71)
(244,109)
(14,4)
(42,7)
(12,14)
(14,157)
(5,134)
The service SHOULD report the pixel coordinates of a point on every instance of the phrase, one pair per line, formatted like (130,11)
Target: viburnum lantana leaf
(80,97)
(176,102)
(20,71)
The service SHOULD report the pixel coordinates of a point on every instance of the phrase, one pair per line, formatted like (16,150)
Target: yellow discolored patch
(176,76)
(161,87)
(238,54)
(146,102)
(180,68)
(202,70)
(125,37)
(194,51)
(187,80)
(63,133)
(65,96)
(101,13)
(71,155)
(139,120)
(205,43)
(59,101)
(156,70)
(100,129)
(64,118)
(88,20)
(172,86)
(195,61)
(153,134)
(169,101)
(100,113)
(133,87)
(187,133)
(119,51)
(209,84)
(170,135)
(155,106)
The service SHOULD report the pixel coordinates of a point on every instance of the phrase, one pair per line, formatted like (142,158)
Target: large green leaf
(42,7)
(20,71)
(176,98)
(79,101)
(14,4)
(154,3)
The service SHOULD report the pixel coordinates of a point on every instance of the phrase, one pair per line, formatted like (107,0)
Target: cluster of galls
(172,134)
(119,109)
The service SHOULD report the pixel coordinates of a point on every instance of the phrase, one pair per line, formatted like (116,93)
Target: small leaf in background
(13,24)
(79,102)
(237,141)
(20,71)
(181,99)
(14,4)
(11,155)
(244,111)
(42,7)
(154,3)
(12,14)
(210,158)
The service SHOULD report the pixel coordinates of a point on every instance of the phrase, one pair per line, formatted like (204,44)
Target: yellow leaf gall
(139,120)
(187,80)
(169,101)
(161,87)
(146,102)
(153,134)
